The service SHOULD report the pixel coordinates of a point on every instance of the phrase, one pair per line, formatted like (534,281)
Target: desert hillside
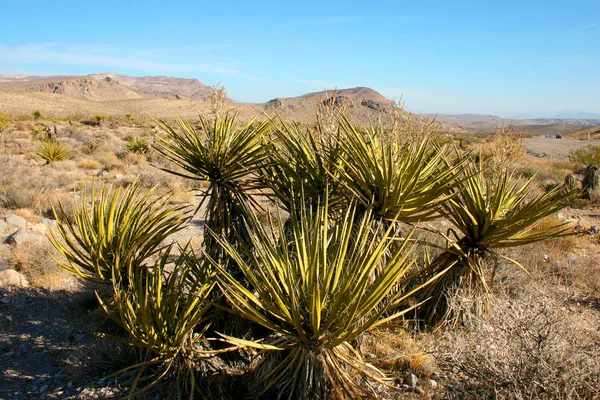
(488,123)
(164,97)
(84,88)
(161,86)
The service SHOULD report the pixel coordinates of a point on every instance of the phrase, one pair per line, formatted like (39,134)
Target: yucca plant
(166,311)
(317,293)
(488,215)
(398,180)
(116,232)
(305,165)
(137,145)
(228,157)
(51,151)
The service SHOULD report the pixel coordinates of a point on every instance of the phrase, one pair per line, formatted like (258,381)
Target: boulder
(10,277)
(50,222)
(15,220)
(20,237)
(40,228)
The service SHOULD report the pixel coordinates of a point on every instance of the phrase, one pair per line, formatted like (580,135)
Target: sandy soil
(554,148)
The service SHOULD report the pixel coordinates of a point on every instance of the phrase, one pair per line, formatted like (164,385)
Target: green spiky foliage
(305,165)
(399,180)
(317,292)
(117,232)
(488,215)
(137,145)
(166,311)
(51,151)
(227,156)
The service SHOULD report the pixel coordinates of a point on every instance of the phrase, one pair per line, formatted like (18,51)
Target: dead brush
(532,347)
(33,259)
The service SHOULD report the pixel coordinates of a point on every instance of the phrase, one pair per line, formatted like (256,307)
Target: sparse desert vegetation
(222,258)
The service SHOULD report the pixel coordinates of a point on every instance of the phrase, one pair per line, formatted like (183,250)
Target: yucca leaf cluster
(116,232)
(317,294)
(489,215)
(51,150)
(225,156)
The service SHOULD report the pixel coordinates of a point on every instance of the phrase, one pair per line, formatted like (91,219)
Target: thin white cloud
(588,26)
(105,56)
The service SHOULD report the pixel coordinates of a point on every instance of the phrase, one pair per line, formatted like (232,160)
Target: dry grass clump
(396,351)
(89,164)
(33,259)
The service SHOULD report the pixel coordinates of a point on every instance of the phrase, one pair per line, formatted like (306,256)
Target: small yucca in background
(137,145)
(305,165)
(52,150)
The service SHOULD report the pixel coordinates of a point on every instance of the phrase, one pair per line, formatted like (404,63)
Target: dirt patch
(554,148)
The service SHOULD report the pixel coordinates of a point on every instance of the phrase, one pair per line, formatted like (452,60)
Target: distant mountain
(577,115)
(160,86)
(164,97)
(86,88)
(488,123)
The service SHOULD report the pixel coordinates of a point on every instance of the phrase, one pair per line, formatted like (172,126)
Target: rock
(3,225)
(10,277)
(372,104)
(43,388)
(5,300)
(433,384)
(411,380)
(48,369)
(20,237)
(39,228)
(15,220)
(50,222)
(38,381)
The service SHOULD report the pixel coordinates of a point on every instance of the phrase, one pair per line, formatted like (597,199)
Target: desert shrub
(228,157)
(94,142)
(164,310)
(137,145)
(317,285)
(4,123)
(589,155)
(37,114)
(118,233)
(488,214)
(34,260)
(17,192)
(89,163)
(404,181)
(51,151)
(529,348)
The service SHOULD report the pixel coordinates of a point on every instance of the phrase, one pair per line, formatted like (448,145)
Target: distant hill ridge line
(486,122)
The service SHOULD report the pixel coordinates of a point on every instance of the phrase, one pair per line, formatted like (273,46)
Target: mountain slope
(160,86)
(84,88)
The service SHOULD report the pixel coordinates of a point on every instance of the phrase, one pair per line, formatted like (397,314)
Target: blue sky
(508,58)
